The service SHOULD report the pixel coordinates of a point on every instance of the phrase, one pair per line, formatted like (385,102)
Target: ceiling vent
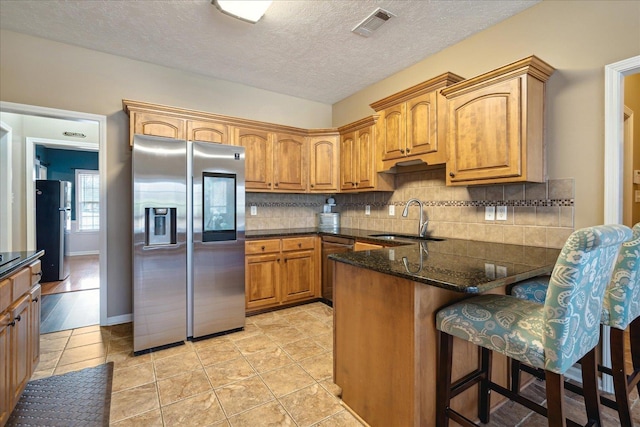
(74,134)
(372,22)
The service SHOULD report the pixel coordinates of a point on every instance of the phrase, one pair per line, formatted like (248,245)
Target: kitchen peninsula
(385,340)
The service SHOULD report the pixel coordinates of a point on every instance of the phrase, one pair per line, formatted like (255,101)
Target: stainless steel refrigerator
(188,240)
(53,219)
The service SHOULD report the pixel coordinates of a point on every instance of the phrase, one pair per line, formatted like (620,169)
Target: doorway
(70,300)
(23,165)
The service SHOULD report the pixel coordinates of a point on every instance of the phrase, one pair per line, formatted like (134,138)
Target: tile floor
(277,372)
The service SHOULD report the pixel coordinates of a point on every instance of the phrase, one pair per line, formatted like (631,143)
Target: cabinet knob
(39,273)
(311,185)
(353,184)
(299,245)
(262,248)
(278,260)
(276,184)
(408,150)
(402,151)
(35,299)
(18,318)
(12,323)
(451,174)
(269,184)
(356,184)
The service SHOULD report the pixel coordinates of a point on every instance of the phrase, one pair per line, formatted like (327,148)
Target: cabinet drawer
(36,272)
(5,294)
(261,246)
(298,243)
(21,282)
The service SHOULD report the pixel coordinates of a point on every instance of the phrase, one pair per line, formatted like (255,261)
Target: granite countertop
(12,261)
(459,265)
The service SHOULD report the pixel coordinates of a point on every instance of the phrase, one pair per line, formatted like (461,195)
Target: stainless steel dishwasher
(332,245)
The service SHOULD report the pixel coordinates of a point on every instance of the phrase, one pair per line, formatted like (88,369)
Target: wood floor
(74,302)
(85,275)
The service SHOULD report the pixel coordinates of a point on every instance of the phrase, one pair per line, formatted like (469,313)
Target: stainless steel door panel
(159,272)
(218,267)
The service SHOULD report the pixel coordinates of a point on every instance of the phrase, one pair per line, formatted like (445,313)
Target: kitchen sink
(392,236)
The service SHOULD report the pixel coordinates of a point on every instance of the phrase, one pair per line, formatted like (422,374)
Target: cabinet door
(34,325)
(484,133)
(422,122)
(5,361)
(207,131)
(393,131)
(298,275)
(290,163)
(262,275)
(158,125)
(258,158)
(365,159)
(348,153)
(19,343)
(323,172)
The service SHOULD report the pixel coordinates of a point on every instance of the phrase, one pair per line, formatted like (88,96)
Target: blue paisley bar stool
(621,310)
(551,337)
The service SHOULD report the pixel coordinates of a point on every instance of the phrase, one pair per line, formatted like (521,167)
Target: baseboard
(83,253)
(116,320)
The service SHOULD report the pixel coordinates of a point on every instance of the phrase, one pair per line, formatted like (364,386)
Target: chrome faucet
(422,226)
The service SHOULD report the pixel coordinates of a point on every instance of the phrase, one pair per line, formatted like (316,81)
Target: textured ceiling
(303,48)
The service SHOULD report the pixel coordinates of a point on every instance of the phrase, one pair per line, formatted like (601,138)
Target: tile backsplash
(538,214)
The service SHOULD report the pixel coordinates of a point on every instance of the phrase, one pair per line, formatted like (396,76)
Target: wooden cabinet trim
(445,79)
(261,246)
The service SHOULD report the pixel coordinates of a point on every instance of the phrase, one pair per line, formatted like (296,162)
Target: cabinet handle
(451,174)
(402,150)
(408,150)
(39,273)
(12,323)
(35,299)
(18,317)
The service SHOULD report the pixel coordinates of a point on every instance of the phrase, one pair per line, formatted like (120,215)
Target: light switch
(637,193)
(367,210)
(489,213)
(254,210)
(501,213)
(392,210)
(636,176)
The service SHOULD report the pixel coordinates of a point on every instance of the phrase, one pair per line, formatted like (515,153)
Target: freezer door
(218,238)
(159,242)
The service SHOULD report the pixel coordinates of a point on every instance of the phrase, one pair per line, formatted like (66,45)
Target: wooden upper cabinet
(323,163)
(358,159)
(200,130)
(409,123)
(158,125)
(290,165)
(496,129)
(258,157)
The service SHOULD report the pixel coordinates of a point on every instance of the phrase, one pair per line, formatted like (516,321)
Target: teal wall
(62,164)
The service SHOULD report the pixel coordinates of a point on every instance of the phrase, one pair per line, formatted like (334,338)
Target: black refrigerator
(53,221)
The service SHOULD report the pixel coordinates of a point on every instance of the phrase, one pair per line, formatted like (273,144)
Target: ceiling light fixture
(372,22)
(249,11)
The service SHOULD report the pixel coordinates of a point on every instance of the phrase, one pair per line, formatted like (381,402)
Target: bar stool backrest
(574,301)
(622,298)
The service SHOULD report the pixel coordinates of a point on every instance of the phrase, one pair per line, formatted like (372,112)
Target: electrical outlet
(490,270)
(254,210)
(392,255)
(489,213)
(367,210)
(501,271)
(501,213)
(392,210)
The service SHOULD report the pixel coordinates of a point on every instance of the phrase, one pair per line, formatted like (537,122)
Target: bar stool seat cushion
(502,323)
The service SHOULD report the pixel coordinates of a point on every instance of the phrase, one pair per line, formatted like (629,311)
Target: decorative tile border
(285,204)
(470,203)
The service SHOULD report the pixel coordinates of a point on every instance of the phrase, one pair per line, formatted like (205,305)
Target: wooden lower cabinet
(364,246)
(19,337)
(281,271)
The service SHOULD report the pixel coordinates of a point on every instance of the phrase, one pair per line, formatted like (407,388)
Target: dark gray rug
(81,398)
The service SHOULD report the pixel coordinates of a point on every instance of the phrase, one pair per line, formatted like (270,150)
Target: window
(87,200)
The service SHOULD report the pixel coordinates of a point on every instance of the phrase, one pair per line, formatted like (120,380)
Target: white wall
(82,242)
